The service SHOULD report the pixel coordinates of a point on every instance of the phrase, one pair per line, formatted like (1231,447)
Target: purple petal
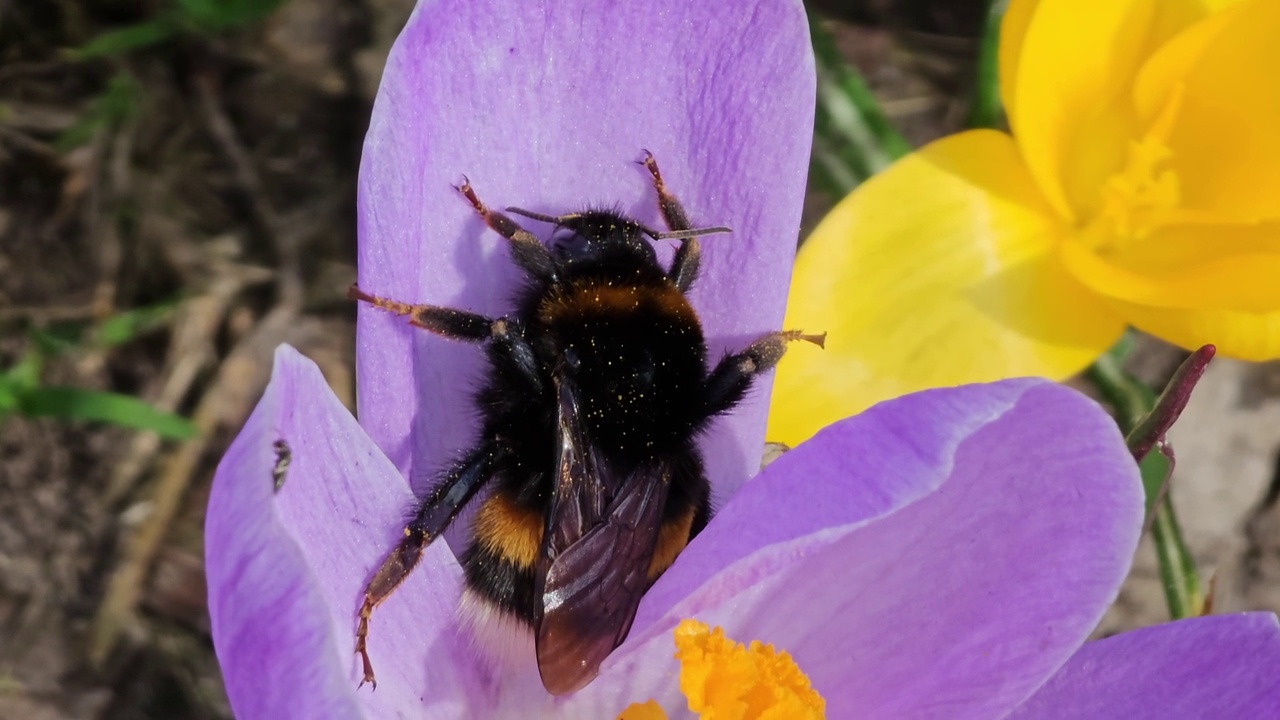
(959,603)
(807,491)
(545,105)
(1211,667)
(286,570)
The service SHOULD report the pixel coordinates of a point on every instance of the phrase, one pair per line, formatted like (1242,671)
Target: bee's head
(593,233)
(584,235)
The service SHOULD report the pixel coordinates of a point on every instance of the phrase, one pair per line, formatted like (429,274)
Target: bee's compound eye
(569,243)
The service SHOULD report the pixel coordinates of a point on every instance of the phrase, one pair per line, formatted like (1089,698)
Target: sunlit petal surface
(1225,147)
(1074,67)
(546,106)
(935,272)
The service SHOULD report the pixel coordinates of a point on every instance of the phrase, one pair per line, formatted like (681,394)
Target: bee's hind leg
(432,516)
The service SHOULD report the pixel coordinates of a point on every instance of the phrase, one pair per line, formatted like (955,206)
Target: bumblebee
(596,390)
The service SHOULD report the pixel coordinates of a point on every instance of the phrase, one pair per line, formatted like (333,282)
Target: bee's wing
(601,537)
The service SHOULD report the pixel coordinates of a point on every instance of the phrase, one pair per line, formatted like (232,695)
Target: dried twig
(30,144)
(44,314)
(194,328)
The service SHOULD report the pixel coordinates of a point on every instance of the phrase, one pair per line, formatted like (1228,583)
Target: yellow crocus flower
(1140,187)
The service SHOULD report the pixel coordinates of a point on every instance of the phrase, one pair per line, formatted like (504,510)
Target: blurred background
(177,198)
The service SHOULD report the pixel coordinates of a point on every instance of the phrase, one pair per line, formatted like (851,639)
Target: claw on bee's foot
(470,195)
(362,632)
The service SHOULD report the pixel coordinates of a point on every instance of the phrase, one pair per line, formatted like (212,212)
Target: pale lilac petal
(1226,666)
(286,570)
(959,604)
(872,466)
(546,105)
(271,628)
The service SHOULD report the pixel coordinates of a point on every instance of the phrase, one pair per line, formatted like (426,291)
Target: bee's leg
(732,376)
(684,268)
(446,322)
(466,326)
(432,516)
(528,253)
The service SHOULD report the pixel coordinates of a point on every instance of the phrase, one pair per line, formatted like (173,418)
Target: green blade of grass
(127,39)
(9,394)
(78,404)
(25,374)
(125,326)
(853,139)
(985,109)
(215,15)
(118,102)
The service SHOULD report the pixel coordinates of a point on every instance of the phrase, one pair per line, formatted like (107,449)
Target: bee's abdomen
(501,561)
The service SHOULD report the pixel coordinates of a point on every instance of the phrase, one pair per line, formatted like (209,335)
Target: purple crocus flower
(942,554)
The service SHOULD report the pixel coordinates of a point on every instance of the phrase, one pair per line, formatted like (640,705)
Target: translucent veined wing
(601,534)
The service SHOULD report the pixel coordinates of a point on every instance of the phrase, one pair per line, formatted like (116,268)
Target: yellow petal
(1013,30)
(1242,335)
(1191,269)
(936,272)
(1072,115)
(1213,6)
(1171,17)
(1172,62)
(1174,16)
(1225,140)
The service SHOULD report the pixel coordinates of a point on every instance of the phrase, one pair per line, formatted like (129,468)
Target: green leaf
(117,103)
(202,16)
(985,110)
(1156,469)
(8,395)
(58,338)
(70,403)
(215,15)
(1144,418)
(26,373)
(128,39)
(853,139)
(125,326)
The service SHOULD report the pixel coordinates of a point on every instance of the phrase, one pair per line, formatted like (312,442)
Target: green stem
(1177,567)
(1145,419)
(1131,398)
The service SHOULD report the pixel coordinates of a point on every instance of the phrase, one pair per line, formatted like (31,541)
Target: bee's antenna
(684,234)
(540,217)
(670,235)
